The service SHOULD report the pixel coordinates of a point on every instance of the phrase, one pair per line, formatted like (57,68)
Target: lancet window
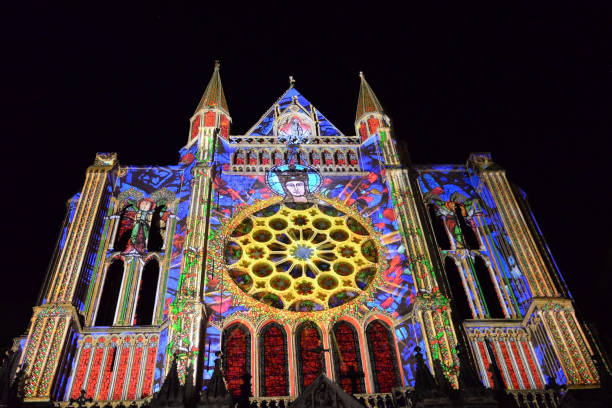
(347,357)
(265,157)
(237,351)
(315,157)
(383,357)
(274,371)
(310,355)
(373,124)
(487,288)
(458,291)
(147,293)
(110,294)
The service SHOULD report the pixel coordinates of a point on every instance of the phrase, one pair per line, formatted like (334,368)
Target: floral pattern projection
(450,188)
(265,230)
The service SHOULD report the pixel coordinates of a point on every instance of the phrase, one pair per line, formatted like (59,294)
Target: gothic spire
(367,102)
(213,97)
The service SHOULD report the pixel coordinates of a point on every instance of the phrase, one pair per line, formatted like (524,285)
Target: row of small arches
(276,366)
(276,157)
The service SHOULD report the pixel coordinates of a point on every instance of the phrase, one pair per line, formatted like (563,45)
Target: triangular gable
(265,125)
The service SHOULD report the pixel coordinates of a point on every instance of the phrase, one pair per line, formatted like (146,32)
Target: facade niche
(459,295)
(487,287)
(147,293)
(125,230)
(439,229)
(110,294)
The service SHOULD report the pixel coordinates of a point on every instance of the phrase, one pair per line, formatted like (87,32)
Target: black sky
(532,83)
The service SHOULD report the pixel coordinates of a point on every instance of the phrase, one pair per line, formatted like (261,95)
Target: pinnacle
(367,102)
(214,97)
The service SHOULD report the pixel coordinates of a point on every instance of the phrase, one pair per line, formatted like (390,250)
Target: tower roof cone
(367,102)
(213,97)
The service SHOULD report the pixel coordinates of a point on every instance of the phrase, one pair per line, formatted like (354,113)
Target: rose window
(301,257)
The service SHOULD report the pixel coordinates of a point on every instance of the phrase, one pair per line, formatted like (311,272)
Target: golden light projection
(301,257)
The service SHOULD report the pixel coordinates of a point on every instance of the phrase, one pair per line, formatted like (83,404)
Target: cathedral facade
(296,250)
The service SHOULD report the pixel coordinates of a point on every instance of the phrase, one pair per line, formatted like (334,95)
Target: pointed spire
(367,102)
(213,95)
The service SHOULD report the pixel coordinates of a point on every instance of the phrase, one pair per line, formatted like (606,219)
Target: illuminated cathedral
(295,258)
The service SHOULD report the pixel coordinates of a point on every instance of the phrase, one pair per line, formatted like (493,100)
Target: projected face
(296,188)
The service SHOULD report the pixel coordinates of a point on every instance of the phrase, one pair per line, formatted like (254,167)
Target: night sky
(531,83)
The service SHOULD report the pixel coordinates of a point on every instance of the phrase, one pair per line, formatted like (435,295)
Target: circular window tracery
(301,257)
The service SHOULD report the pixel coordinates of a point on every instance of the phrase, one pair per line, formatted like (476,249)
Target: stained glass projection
(382,356)
(274,370)
(237,352)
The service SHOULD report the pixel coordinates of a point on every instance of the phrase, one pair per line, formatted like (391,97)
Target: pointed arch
(147,293)
(458,292)
(383,357)
(487,287)
(309,364)
(327,157)
(109,297)
(439,228)
(274,371)
(363,132)
(347,356)
(237,352)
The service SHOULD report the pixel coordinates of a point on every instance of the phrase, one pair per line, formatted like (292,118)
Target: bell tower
(212,113)
(371,120)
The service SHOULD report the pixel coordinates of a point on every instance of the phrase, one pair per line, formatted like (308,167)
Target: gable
(265,125)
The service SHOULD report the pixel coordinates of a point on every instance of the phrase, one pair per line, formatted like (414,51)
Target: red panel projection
(107,375)
(348,347)
(532,366)
(224,126)
(195,127)
(121,371)
(149,372)
(373,124)
(363,132)
(94,372)
(236,361)
(309,357)
(509,366)
(209,119)
(486,361)
(274,344)
(519,363)
(81,370)
(134,375)
(382,356)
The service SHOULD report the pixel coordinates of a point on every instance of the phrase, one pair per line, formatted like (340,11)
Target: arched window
(439,229)
(209,119)
(373,124)
(278,158)
(485,281)
(224,126)
(147,293)
(467,232)
(327,157)
(274,371)
(382,357)
(310,354)
(462,305)
(353,158)
(339,158)
(110,294)
(239,157)
(155,242)
(347,357)
(125,230)
(237,352)
(315,157)
(264,157)
(252,157)
(363,132)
